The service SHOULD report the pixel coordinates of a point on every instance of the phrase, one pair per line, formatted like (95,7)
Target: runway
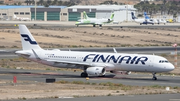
(132,79)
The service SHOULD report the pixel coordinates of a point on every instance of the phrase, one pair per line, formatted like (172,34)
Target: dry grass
(93,37)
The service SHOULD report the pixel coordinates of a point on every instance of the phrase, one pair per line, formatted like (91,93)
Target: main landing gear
(84,74)
(154,76)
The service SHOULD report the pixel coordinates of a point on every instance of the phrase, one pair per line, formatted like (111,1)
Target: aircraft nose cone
(170,67)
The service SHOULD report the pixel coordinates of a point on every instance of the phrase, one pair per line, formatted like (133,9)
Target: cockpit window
(163,61)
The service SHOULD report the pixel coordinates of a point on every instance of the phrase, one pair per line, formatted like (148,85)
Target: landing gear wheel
(100,25)
(94,25)
(154,76)
(83,74)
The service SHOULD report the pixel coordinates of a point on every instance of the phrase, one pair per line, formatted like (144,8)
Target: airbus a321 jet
(94,21)
(142,21)
(93,63)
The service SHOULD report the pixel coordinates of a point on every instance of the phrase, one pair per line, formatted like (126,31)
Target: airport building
(42,13)
(121,12)
(63,13)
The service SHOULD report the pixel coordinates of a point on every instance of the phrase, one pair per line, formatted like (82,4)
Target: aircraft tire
(94,25)
(154,78)
(83,74)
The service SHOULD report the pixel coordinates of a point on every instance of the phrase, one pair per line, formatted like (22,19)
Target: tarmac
(157,97)
(134,79)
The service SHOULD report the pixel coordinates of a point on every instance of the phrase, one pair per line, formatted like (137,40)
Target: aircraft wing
(82,63)
(72,63)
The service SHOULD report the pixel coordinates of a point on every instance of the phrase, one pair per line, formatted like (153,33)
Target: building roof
(15,6)
(104,7)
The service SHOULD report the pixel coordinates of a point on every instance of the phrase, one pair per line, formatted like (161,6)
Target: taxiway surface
(134,79)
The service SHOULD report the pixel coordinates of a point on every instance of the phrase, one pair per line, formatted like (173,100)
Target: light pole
(35,11)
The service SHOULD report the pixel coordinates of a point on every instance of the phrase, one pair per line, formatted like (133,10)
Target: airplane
(92,63)
(156,21)
(21,18)
(142,21)
(94,21)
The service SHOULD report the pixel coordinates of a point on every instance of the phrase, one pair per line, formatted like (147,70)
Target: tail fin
(112,16)
(15,16)
(132,14)
(85,15)
(146,17)
(28,41)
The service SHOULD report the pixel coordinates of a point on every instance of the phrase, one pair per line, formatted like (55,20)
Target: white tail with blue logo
(28,41)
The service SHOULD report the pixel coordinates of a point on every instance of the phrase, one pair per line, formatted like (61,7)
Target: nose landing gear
(154,76)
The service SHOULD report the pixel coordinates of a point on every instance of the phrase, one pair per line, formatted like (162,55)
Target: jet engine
(109,20)
(97,71)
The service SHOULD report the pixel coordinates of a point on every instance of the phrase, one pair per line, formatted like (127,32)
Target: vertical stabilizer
(15,16)
(112,16)
(85,15)
(146,17)
(133,16)
(27,40)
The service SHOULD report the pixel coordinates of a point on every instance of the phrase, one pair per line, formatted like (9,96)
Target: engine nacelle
(109,20)
(97,71)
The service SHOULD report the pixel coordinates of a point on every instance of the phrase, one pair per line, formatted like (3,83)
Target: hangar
(42,13)
(121,12)
(63,13)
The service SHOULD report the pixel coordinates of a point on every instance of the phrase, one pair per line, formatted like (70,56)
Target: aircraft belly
(126,67)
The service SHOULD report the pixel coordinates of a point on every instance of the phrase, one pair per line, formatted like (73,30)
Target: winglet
(114,50)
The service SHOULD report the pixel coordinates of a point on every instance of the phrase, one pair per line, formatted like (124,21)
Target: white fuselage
(93,21)
(110,61)
(144,21)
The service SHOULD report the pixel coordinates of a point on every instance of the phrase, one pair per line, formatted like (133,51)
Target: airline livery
(93,63)
(142,21)
(156,21)
(94,21)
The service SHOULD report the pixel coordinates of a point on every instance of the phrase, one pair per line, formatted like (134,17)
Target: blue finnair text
(117,59)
